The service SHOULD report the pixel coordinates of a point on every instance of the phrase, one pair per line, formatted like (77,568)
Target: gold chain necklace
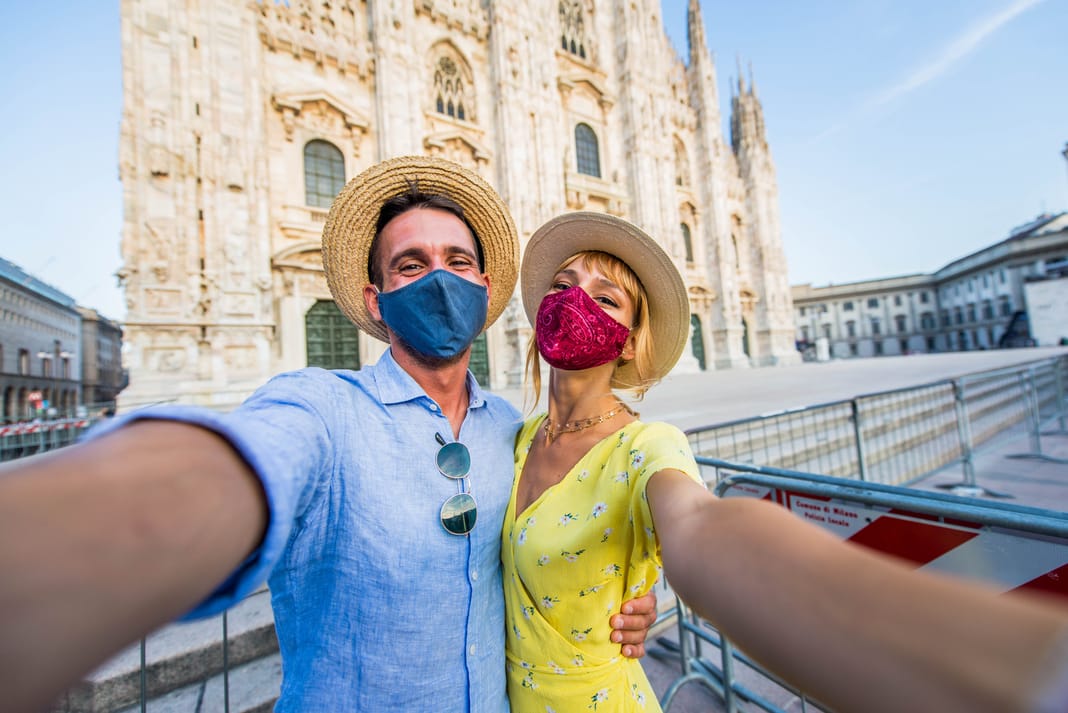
(552,433)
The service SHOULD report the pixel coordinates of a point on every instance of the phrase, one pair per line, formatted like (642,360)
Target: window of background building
(586,151)
(962,340)
(930,344)
(875,327)
(24,362)
(971,312)
(802,311)
(852,349)
(900,319)
(449,89)
(687,242)
(873,302)
(1006,306)
(823,309)
(897,300)
(924,298)
(851,328)
(904,345)
(945,318)
(988,309)
(847,306)
(927,321)
(986,280)
(324,173)
(1001,274)
(878,348)
(827,331)
(804,334)
(573,32)
(958,315)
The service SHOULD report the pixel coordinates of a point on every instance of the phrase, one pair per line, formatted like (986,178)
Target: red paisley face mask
(573,332)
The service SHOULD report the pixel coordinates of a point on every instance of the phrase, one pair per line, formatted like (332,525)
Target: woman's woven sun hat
(350,230)
(571,233)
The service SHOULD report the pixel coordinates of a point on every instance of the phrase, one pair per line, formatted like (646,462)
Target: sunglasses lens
(458,514)
(454,460)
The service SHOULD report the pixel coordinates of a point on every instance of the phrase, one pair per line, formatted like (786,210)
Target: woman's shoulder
(646,431)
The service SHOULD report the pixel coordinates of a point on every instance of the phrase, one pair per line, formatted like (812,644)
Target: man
(382,550)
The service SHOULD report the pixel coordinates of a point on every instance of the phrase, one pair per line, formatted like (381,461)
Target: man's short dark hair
(409,200)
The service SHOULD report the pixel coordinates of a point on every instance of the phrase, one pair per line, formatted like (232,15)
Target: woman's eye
(607,301)
(560,286)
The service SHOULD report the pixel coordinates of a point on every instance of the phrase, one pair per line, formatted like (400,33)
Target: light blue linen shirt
(376,606)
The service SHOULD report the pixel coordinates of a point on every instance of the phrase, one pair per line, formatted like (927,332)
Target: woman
(600,496)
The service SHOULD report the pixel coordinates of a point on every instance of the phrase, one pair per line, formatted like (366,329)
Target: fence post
(1058,380)
(1034,421)
(858,438)
(226,664)
(964,433)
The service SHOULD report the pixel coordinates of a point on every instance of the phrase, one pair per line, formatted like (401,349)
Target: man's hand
(631,626)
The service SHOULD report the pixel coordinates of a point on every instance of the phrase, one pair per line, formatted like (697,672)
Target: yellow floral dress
(582,548)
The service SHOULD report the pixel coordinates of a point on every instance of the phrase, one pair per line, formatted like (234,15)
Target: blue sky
(906,133)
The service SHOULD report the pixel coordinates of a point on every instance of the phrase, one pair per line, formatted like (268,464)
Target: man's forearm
(102,542)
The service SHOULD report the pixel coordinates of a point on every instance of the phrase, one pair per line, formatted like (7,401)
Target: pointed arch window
(587,154)
(682,165)
(451,93)
(687,242)
(572,29)
(324,173)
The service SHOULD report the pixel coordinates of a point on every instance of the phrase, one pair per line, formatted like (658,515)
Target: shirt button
(434,408)
(474,575)
(471,650)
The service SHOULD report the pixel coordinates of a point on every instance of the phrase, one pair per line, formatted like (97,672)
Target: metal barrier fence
(1029,551)
(898,436)
(29,437)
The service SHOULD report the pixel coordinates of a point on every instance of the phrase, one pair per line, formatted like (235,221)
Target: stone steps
(184,666)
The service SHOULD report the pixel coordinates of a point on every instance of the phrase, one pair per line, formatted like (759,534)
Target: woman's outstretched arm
(854,629)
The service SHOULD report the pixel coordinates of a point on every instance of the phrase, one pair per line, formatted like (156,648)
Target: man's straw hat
(571,233)
(350,229)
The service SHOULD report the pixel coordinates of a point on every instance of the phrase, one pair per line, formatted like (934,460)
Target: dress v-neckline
(514,504)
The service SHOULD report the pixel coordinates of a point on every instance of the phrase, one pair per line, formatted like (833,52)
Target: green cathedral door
(697,341)
(332,340)
(479,365)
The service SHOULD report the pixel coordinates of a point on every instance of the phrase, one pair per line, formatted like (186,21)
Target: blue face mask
(438,315)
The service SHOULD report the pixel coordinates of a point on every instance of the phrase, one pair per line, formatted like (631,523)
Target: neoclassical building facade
(242,120)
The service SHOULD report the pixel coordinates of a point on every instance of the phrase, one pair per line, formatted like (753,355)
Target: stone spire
(747,117)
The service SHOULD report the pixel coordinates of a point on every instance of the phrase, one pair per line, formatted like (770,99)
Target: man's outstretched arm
(102,542)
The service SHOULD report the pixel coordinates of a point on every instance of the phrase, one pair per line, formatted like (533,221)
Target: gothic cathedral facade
(242,120)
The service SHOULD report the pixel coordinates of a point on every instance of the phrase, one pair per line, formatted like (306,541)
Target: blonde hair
(618,272)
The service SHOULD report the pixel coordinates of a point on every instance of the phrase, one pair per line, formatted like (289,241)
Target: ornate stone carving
(470,17)
(327,32)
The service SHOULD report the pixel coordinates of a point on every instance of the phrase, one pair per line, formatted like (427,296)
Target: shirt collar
(395,385)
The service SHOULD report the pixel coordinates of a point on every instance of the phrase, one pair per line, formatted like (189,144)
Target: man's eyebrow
(418,253)
(461,250)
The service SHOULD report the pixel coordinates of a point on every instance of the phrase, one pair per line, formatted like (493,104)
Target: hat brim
(350,230)
(571,233)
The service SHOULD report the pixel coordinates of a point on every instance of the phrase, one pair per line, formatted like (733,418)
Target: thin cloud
(956,51)
(951,54)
